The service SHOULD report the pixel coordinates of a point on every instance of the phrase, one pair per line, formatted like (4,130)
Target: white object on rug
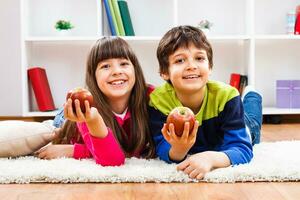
(272,162)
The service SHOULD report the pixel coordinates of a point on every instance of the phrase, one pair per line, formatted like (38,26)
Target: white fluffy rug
(278,161)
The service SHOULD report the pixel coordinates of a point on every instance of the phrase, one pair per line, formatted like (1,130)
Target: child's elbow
(117,161)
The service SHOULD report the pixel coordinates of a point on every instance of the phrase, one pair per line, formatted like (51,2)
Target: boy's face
(188,69)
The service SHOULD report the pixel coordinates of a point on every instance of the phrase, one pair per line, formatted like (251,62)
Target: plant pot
(64,33)
(205,31)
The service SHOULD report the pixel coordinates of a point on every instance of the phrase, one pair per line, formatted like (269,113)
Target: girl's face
(115,78)
(188,70)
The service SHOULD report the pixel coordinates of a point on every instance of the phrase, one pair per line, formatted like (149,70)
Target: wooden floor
(239,191)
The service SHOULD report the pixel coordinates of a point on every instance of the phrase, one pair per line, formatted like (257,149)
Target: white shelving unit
(248,37)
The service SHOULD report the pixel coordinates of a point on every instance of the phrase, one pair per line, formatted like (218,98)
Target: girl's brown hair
(140,138)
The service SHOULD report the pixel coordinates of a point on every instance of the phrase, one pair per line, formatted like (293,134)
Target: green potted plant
(205,26)
(63,26)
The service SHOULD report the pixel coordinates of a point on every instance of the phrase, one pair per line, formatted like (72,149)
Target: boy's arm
(106,151)
(236,142)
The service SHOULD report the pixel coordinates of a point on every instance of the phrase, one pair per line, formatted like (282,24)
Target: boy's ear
(210,71)
(165,76)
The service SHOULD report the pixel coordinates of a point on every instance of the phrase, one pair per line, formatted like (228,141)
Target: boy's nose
(192,65)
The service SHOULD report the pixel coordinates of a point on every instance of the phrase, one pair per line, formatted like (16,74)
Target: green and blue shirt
(221,119)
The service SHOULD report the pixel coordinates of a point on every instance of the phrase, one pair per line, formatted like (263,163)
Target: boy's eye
(200,58)
(179,60)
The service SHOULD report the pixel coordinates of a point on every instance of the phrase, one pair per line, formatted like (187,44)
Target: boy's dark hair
(181,36)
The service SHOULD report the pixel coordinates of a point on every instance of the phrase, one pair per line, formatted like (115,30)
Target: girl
(117,126)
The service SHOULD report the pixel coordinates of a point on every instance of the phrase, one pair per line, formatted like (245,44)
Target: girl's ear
(166,77)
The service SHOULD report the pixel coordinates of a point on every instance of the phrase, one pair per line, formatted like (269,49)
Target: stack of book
(118,17)
(238,81)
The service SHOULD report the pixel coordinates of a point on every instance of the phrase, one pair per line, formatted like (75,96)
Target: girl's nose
(116,69)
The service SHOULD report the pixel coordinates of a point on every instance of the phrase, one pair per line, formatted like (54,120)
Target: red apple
(178,116)
(81,94)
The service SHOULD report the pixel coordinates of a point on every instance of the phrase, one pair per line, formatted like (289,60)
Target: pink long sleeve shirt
(106,151)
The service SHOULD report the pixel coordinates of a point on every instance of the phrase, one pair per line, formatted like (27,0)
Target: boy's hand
(197,165)
(91,116)
(180,145)
(55,151)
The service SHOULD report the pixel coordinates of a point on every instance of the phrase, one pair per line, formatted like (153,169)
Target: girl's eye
(124,63)
(104,67)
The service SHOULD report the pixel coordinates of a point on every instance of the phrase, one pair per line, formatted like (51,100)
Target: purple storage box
(288,93)
(295,101)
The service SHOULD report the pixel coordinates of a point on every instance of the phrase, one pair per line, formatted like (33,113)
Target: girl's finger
(70,114)
(79,113)
(87,108)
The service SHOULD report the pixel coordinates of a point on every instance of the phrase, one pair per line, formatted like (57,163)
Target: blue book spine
(109,17)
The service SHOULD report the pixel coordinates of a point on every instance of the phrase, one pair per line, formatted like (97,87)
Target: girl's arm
(98,139)
(106,151)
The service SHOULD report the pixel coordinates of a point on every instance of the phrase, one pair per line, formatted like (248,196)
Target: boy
(219,137)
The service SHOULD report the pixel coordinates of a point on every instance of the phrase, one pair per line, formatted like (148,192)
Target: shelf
(41,114)
(277,37)
(280,111)
(127,38)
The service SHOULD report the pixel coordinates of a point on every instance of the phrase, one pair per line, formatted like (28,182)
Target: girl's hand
(180,145)
(55,151)
(78,116)
(91,116)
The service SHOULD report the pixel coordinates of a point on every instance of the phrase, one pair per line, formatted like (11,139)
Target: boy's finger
(172,132)
(186,131)
(184,164)
(195,130)
(164,131)
(200,176)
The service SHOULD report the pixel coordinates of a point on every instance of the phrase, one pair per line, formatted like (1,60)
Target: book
(118,17)
(41,88)
(112,12)
(297,23)
(243,83)
(109,18)
(126,19)
(235,80)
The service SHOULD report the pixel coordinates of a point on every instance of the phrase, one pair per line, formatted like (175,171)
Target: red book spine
(297,23)
(40,85)
(235,80)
